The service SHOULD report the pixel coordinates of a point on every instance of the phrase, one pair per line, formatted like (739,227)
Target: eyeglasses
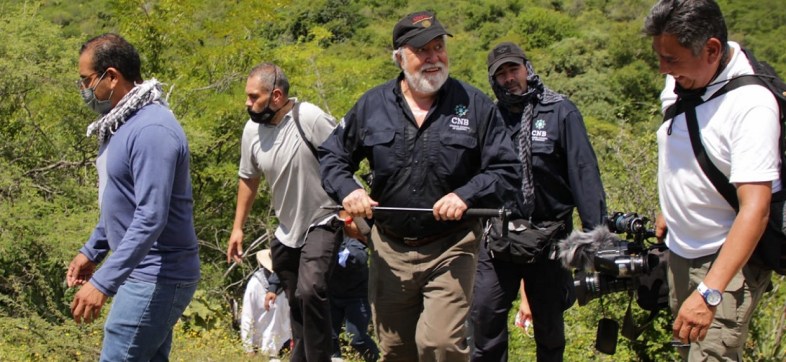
(83,83)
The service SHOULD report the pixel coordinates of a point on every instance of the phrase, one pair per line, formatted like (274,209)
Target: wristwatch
(712,297)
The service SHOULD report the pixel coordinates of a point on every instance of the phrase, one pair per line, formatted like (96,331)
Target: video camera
(606,263)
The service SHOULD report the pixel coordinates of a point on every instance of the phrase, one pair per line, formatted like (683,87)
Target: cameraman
(560,173)
(713,290)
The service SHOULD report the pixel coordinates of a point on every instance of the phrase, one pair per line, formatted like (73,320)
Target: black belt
(415,241)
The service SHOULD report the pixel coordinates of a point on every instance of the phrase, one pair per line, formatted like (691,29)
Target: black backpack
(766,76)
(770,252)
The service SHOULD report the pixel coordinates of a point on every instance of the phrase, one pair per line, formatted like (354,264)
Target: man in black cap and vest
(560,173)
(432,142)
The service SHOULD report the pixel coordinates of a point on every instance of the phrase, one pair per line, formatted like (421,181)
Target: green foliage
(203,314)
(42,173)
(767,329)
(33,254)
(490,20)
(628,161)
(338,17)
(348,353)
(635,82)
(216,345)
(760,28)
(544,27)
(35,339)
(33,61)
(575,56)
(628,44)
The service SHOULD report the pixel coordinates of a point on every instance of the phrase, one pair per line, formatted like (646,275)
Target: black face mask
(267,113)
(263,117)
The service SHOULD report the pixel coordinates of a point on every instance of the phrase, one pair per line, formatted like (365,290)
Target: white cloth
(261,329)
(740,133)
(149,91)
(290,169)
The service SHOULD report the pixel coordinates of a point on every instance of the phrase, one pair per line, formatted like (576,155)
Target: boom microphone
(578,250)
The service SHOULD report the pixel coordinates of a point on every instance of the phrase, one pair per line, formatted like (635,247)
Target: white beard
(426,83)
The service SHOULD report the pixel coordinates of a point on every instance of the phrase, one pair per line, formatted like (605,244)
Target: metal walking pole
(502,212)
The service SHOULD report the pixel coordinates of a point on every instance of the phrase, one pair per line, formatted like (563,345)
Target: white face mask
(89,97)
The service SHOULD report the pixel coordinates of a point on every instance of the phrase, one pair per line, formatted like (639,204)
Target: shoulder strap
(734,83)
(296,118)
(718,179)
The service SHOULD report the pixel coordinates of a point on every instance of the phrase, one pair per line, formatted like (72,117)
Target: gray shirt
(290,169)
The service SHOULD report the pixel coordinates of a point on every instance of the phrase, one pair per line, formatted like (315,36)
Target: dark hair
(268,73)
(693,22)
(111,50)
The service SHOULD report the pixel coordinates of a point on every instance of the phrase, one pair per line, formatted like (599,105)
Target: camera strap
(628,324)
(629,328)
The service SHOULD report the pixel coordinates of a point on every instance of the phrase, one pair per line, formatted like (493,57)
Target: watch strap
(702,288)
(706,291)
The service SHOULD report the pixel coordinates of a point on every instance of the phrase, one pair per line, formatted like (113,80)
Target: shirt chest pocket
(457,155)
(381,151)
(462,141)
(543,147)
(545,154)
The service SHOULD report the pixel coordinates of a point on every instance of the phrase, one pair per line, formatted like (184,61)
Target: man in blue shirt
(146,206)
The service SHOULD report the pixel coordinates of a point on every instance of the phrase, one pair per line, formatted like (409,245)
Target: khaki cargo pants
(420,296)
(729,330)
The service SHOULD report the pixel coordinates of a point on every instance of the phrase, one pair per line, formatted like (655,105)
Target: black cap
(417,29)
(506,52)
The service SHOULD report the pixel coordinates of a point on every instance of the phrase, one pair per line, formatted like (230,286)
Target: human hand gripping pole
(360,206)
(473,212)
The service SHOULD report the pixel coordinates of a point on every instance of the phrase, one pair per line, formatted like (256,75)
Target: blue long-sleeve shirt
(461,147)
(146,205)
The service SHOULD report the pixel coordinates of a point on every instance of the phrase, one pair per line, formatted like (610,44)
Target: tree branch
(57,165)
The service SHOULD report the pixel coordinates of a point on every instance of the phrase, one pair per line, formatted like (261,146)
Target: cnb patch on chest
(538,131)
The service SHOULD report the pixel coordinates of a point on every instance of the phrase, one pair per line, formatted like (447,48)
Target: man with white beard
(432,142)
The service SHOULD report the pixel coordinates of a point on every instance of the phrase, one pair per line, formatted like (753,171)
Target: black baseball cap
(417,29)
(506,52)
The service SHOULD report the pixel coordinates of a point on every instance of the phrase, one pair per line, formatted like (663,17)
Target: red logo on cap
(418,18)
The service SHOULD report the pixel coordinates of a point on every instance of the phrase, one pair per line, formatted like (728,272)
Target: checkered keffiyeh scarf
(536,93)
(147,92)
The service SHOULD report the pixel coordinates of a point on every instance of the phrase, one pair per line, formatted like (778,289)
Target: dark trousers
(357,313)
(305,272)
(549,290)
